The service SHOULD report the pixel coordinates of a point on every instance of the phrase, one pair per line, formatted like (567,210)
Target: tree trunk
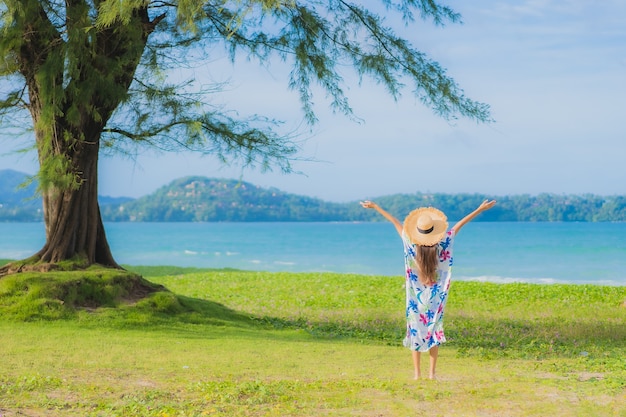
(74,228)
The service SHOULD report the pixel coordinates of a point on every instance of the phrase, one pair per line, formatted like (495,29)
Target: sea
(502,252)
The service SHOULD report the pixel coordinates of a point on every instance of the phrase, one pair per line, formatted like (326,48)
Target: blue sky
(553,71)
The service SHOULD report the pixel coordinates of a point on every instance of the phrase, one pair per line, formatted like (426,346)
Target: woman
(428,260)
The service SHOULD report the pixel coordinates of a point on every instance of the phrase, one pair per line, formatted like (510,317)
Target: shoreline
(149,270)
(182,270)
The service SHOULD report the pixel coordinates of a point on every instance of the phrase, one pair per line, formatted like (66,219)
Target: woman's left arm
(485,205)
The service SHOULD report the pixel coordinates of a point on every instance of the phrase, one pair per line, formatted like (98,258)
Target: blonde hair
(427,261)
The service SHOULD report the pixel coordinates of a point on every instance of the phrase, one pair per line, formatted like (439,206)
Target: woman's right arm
(371,205)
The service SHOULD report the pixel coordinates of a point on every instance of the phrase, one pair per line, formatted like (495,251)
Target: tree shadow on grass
(124,300)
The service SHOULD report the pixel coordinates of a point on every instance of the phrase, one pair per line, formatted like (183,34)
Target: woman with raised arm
(428,263)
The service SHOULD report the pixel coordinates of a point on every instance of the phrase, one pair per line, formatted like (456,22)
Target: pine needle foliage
(108,60)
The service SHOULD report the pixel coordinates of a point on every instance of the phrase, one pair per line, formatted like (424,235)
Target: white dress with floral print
(425,304)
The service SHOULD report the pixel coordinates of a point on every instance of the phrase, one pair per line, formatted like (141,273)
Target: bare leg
(434,352)
(416,364)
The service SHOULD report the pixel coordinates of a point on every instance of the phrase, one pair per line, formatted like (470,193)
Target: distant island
(201,199)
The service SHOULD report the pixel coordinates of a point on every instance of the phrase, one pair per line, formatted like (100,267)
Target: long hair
(427,261)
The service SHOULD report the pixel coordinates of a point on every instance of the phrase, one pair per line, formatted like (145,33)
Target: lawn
(233,343)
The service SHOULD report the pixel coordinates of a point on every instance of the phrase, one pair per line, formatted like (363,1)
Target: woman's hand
(486,205)
(368,204)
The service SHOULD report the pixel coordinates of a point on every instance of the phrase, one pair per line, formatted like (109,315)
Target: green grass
(233,343)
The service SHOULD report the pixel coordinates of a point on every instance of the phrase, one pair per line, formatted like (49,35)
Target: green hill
(540,208)
(18,199)
(210,200)
(193,199)
(14,190)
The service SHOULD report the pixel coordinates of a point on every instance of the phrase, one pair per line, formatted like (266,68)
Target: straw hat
(425,226)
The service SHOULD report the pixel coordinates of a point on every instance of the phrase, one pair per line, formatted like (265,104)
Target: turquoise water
(499,252)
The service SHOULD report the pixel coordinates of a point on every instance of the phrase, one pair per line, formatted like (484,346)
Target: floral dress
(425,305)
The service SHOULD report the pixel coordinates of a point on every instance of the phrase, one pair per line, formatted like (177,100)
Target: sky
(553,72)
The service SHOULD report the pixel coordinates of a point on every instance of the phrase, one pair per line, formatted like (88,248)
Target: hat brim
(440,226)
